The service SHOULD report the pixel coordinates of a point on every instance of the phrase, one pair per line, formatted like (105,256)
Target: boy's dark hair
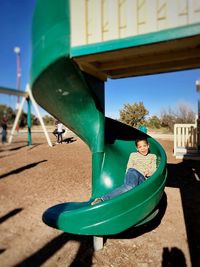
(140,138)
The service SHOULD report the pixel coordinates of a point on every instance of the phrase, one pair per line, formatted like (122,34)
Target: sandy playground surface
(37,177)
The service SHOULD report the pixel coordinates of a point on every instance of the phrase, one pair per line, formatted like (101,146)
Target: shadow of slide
(82,258)
(21,169)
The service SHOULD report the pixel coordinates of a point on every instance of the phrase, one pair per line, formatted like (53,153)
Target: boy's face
(143,147)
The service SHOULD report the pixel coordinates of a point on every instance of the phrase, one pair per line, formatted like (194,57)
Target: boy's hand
(147,173)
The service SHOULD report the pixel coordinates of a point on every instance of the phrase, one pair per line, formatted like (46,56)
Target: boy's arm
(130,163)
(152,167)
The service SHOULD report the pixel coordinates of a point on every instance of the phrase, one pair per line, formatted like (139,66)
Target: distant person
(141,165)
(55,131)
(4,129)
(58,132)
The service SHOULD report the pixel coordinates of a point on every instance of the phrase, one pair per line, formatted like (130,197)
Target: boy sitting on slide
(141,165)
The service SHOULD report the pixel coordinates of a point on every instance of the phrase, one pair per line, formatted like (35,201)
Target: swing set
(26,95)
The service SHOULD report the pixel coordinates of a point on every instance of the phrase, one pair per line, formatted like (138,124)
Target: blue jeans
(59,139)
(4,136)
(131,180)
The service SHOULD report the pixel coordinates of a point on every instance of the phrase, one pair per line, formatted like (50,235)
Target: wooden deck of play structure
(116,39)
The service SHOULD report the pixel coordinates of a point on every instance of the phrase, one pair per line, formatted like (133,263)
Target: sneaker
(96,201)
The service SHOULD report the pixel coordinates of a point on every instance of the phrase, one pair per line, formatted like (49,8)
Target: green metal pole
(29,121)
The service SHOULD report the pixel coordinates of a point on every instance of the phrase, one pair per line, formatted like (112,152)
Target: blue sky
(15,30)
(157,92)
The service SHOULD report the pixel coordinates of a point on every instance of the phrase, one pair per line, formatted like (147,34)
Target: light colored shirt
(142,163)
(59,127)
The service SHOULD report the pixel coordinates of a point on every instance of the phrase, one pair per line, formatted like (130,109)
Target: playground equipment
(187,137)
(186,141)
(26,95)
(67,76)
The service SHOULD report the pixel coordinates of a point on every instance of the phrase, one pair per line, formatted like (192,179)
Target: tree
(182,114)
(185,114)
(133,115)
(154,122)
(48,120)
(168,120)
(9,112)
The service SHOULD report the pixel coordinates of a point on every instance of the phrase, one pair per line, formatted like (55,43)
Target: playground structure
(26,96)
(111,39)
(186,142)
(187,137)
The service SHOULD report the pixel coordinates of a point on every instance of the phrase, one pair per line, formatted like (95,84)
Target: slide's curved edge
(110,217)
(115,215)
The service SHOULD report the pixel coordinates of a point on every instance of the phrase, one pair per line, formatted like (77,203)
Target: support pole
(38,113)
(97,242)
(29,121)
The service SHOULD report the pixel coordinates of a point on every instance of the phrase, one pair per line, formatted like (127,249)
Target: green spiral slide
(77,99)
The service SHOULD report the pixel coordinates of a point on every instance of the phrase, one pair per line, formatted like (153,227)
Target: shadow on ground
(186,177)
(16,148)
(69,140)
(10,214)
(21,169)
(85,253)
(173,257)
(82,258)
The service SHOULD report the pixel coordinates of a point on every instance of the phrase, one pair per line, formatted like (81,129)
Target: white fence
(185,138)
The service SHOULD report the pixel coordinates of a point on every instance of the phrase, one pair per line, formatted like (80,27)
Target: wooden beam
(91,69)
(154,58)
(155,69)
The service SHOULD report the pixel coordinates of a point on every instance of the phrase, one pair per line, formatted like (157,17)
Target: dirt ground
(37,177)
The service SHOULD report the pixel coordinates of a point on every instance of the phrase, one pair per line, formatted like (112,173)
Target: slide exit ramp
(77,99)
